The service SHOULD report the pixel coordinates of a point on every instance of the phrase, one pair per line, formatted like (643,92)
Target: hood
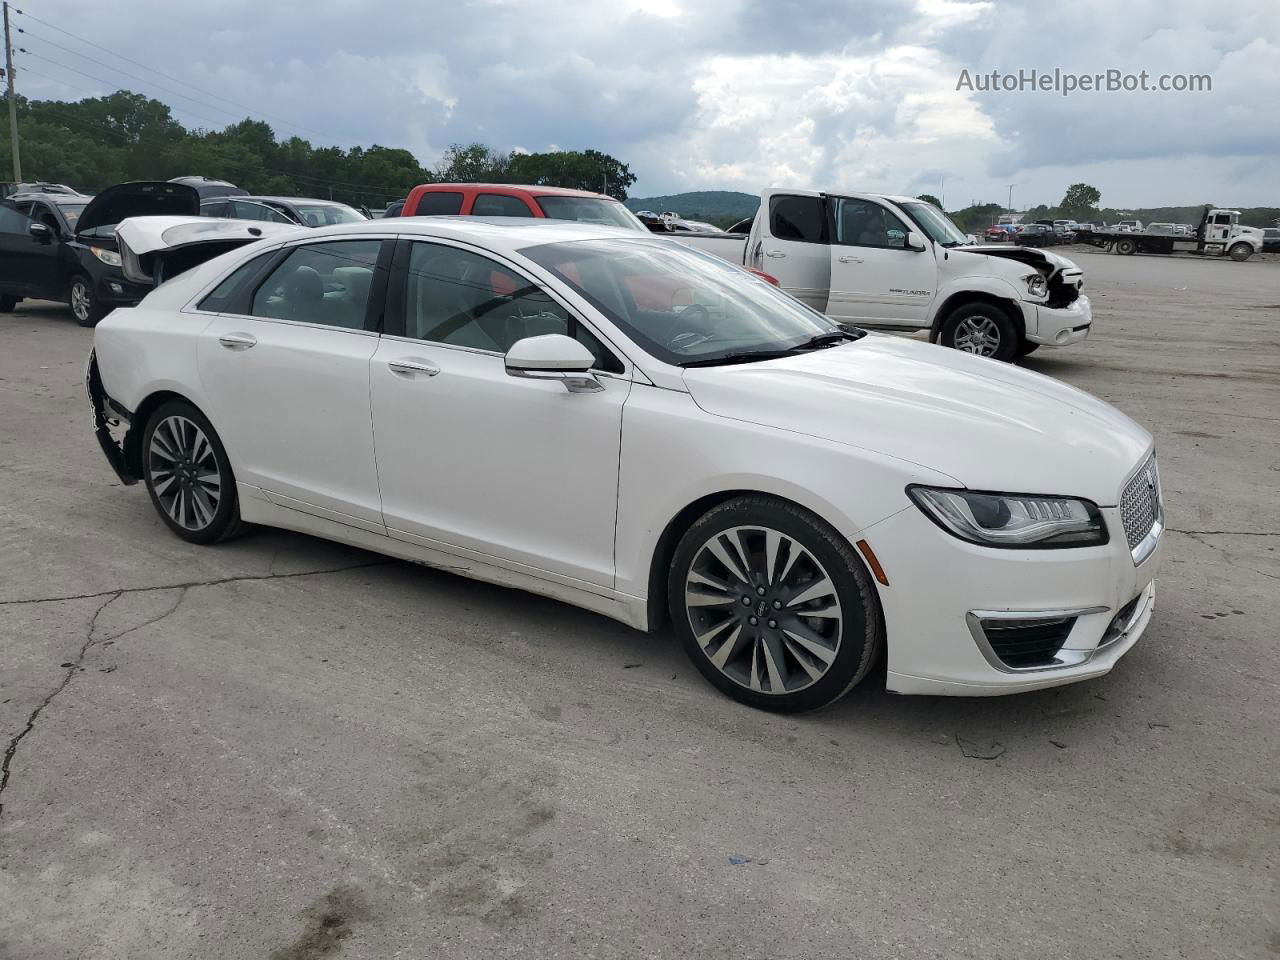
(153,249)
(988,425)
(140,198)
(1047,263)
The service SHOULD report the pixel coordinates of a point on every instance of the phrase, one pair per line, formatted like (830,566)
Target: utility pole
(13,102)
(1011,186)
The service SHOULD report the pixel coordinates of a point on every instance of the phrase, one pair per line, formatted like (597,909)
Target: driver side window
(864,223)
(463,299)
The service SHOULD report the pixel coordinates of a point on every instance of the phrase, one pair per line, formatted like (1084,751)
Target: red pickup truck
(505,200)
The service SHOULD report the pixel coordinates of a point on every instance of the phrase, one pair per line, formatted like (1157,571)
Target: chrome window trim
(418,341)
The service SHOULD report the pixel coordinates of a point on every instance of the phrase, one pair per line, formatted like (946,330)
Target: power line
(208,93)
(110,83)
(125,73)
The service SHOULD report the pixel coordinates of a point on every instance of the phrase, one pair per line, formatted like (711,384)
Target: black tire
(85,306)
(1126,247)
(192,513)
(1026,346)
(7,303)
(967,322)
(850,641)
(1240,252)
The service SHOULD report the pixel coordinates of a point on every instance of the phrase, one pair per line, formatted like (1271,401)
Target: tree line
(92,143)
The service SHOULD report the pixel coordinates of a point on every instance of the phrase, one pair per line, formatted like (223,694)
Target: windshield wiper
(829,339)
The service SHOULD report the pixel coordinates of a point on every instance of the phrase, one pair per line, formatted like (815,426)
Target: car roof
(500,234)
(56,198)
(262,196)
(511,190)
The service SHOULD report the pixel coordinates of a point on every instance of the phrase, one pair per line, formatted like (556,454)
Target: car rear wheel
(189,476)
(1240,252)
(982,329)
(773,606)
(84,302)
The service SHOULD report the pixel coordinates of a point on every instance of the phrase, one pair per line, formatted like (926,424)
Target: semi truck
(1219,233)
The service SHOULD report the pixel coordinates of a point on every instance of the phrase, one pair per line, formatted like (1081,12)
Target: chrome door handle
(774,253)
(411,367)
(850,259)
(237,341)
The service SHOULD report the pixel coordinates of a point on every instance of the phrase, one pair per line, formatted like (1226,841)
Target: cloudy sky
(720,94)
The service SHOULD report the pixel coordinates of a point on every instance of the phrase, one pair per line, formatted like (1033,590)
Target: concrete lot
(285,749)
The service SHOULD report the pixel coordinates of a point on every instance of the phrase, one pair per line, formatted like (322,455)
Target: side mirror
(553,356)
(915,242)
(41,232)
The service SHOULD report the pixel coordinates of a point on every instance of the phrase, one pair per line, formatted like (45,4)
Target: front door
(470,457)
(789,241)
(875,278)
(288,382)
(28,267)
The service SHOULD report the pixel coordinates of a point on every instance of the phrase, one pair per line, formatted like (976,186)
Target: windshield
(607,213)
(326,214)
(680,305)
(935,223)
(71,211)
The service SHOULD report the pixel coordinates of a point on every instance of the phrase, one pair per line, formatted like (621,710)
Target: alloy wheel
(978,335)
(763,610)
(81,303)
(184,474)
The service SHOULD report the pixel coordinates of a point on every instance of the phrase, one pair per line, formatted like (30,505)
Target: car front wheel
(84,302)
(1240,252)
(773,606)
(982,329)
(189,476)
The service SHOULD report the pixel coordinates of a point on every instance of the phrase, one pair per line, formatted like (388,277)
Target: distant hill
(719,206)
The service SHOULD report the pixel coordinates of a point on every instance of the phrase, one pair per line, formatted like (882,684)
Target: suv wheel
(189,476)
(982,329)
(773,606)
(84,303)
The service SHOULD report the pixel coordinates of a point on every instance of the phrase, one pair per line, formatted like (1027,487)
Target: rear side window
(797,218)
(325,283)
(12,220)
(439,205)
(224,296)
(499,205)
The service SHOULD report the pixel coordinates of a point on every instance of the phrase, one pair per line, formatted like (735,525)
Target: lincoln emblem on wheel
(622,422)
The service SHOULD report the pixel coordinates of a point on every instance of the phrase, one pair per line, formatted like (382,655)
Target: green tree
(930,198)
(1080,202)
(473,163)
(576,169)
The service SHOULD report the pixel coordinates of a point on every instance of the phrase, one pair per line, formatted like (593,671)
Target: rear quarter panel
(142,350)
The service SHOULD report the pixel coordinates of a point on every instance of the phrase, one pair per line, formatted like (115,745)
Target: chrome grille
(1140,506)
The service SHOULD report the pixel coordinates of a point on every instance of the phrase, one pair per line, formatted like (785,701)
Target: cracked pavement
(283,748)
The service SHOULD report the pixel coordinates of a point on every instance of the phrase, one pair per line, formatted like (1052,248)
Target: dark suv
(63,248)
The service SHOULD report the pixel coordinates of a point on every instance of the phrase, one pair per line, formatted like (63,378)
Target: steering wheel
(690,338)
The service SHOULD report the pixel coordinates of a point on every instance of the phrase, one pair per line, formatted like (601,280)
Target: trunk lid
(155,248)
(139,198)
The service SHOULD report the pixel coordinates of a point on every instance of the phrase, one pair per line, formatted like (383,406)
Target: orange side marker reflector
(872,561)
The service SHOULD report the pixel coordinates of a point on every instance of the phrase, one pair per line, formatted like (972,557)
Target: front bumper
(114,290)
(941,586)
(1057,326)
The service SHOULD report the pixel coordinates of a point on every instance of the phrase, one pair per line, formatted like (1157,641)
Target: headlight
(1012,520)
(1037,285)
(109,257)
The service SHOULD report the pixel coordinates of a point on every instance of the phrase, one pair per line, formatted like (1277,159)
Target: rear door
(875,277)
(286,376)
(792,244)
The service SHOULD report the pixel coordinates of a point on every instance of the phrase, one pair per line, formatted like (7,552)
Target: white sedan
(635,427)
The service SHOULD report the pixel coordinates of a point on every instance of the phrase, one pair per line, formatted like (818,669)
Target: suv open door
(789,240)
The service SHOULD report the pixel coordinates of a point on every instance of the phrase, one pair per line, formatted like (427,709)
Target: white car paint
(350,435)
(901,288)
